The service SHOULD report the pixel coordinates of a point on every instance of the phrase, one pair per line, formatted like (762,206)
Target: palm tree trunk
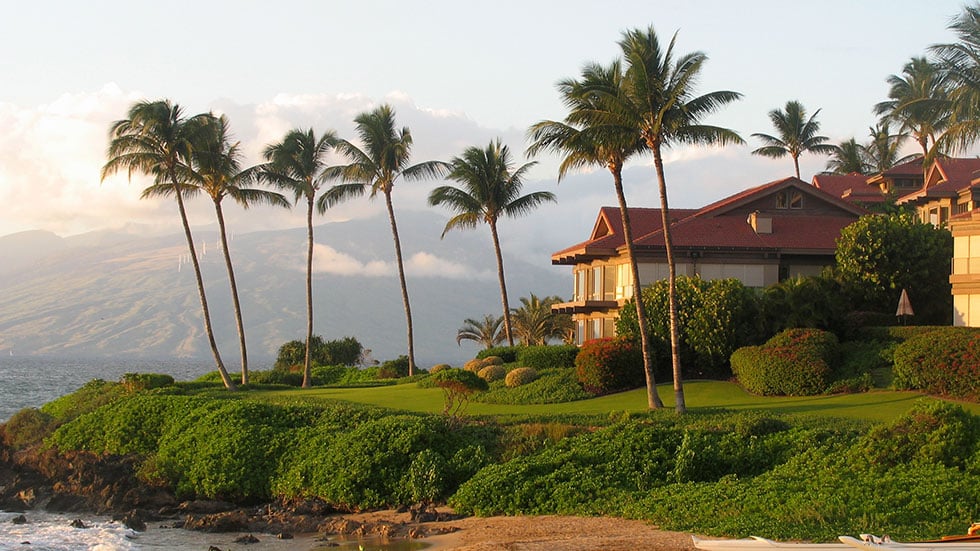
(234,291)
(653,398)
(401,279)
(675,348)
(503,285)
(307,371)
(229,384)
(796,165)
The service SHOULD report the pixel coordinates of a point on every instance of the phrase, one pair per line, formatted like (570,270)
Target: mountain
(116,294)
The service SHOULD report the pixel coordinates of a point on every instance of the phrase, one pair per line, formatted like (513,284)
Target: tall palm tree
(919,101)
(661,102)
(384,158)
(848,157)
(486,332)
(535,323)
(586,138)
(884,148)
(960,65)
(490,188)
(299,164)
(217,171)
(797,135)
(157,140)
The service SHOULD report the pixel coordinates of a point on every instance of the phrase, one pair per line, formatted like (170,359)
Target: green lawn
(879,405)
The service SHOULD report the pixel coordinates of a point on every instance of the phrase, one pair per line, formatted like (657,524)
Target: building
(760,236)
(952,187)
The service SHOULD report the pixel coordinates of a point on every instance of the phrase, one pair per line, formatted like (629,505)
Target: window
(624,282)
(579,332)
(789,199)
(596,290)
(596,328)
(580,284)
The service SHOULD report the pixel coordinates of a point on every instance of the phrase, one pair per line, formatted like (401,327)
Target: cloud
(327,260)
(424,264)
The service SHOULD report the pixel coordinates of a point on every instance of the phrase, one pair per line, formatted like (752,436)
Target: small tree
(458,385)
(878,256)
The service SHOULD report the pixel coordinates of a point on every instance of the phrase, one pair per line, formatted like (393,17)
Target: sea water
(31,381)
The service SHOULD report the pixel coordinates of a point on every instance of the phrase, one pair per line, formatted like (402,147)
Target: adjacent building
(760,236)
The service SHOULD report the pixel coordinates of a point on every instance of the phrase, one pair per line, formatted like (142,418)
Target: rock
(232,521)
(77,523)
(214,548)
(284,536)
(134,521)
(247,539)
(205,507)
(19,519)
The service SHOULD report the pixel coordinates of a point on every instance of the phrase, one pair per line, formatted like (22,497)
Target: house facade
(952,187)
(760,236)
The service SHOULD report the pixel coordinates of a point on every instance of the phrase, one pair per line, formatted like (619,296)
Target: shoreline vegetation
(275,460)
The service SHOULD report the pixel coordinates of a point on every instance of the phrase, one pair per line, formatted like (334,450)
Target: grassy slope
(873,406)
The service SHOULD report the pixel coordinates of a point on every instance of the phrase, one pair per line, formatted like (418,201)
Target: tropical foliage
(490,187)
(796,134)
(535,323)
(485,332)
(375,167)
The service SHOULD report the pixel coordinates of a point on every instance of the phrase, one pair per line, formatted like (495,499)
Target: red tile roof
(850,187)
(911,168)
(957,170)
(716,226)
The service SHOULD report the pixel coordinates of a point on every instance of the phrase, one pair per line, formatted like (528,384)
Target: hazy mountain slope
(102,295)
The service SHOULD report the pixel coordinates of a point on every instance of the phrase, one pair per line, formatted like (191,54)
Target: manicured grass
(873,406)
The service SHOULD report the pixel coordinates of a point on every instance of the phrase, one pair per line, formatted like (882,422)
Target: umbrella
(904,306)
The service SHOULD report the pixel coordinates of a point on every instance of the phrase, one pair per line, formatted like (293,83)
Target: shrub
(91,396)
(492,373)
(458,385)
(714,318)
(548,357)
(27,427)
(944,362)
(552,386)
(520,376)
(795,362)
(474,365)
(276,377)
(292,355)
(932,431)
(608,365)
(438,367)
(507,353)
(133,382)
(492,360)
(393,369)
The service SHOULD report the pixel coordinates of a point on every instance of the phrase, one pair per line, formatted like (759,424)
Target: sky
(457,73)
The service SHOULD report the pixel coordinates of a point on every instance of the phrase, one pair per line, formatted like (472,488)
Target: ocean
(31,381)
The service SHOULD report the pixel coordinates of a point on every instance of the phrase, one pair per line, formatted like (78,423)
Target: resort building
(760,236)
(951,187)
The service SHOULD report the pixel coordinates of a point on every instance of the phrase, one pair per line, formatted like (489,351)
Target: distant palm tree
(490,188)
(884,148)
(376,167)
(217,171)
(156,139)
(797,135)
(919,101)
(586,139)
(849,157)
(486,332)
(299,164)
(535,323)
(960,65)
(660,100)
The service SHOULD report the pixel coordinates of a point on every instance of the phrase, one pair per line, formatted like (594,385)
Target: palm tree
(586,139)
(156,140)
(797,135)
(376,167)
(535,323)
(486,332)
(664,110)
(217,171)
(884,148)
(298,164)
(490,188)
(960,66)
(919,100)
(849,157)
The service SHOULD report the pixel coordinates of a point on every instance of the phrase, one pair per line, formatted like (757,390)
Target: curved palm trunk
(307,371)
(229,384)
(401,279)
(675,348)
(503,285)
(653,398)
(234,291)
(796,165)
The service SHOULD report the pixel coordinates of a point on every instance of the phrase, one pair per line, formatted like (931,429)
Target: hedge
(796,362)
(944,362)
(608,365)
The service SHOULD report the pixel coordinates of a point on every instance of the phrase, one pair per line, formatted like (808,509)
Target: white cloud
(328,260)
(424,264)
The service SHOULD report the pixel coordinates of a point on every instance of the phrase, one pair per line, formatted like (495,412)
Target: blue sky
(458,73)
